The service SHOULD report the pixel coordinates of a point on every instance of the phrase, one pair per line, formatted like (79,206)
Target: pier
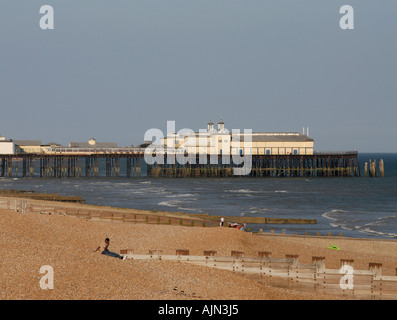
(317,165)
(71,165)
(133,165)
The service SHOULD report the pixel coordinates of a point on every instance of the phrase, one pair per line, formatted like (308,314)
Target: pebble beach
(30,241)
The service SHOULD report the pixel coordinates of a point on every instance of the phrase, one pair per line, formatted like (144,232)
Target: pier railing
(336,152)
(95,150)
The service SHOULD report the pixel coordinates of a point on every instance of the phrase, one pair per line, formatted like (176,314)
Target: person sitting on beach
(103,248)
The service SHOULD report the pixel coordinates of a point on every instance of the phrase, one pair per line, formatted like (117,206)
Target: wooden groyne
(30,202)
(40,196)
(102,213)
(288,272)
(260,220)
(123,164)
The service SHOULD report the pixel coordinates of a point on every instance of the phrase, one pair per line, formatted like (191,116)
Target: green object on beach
(334,247)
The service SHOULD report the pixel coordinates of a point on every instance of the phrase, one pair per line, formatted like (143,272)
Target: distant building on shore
(25,146)
(36,147)
(221,141)
(28,146)
(6,146)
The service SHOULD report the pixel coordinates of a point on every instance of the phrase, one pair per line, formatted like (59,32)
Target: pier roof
(94,146)
(27,142)
(279,136)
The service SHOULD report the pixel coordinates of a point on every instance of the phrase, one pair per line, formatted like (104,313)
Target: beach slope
(32,240)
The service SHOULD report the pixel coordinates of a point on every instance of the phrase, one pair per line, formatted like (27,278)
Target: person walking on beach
(222,221)
(103,248)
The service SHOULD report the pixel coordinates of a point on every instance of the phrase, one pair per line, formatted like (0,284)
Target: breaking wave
(243,191)
(333,214)
(183,195)
(347,223)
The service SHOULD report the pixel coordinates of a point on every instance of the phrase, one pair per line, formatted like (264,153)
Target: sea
(361,207)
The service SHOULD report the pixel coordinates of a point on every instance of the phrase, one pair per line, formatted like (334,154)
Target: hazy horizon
(112,70)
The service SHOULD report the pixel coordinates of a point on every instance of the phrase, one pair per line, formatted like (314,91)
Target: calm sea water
(356,207)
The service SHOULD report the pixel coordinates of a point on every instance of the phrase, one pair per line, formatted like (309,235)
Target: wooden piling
(155,252)
(294,257)
(182,252)
(237,254)
(381,168)
(376,268)
(265,254)
(372,168)
(319,261)
(210,253)
(93,164)
(346,262)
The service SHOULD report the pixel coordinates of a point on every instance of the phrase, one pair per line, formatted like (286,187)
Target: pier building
(222,141)
(6,146)
(93,144)
(28,146)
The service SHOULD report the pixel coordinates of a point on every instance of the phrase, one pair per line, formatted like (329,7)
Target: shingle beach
(30,241)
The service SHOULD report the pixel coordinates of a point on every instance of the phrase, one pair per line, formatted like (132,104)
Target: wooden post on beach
(264,254)
(182,252)
(346,262)
(156,252)
(319,262)
(210,253)
(366,169)
(376,268)
(237,254)
(294,257)
(23,206)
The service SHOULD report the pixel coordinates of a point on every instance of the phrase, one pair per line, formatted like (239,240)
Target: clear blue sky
(113,69)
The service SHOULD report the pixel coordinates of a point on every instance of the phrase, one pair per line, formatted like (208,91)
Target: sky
(111,70)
